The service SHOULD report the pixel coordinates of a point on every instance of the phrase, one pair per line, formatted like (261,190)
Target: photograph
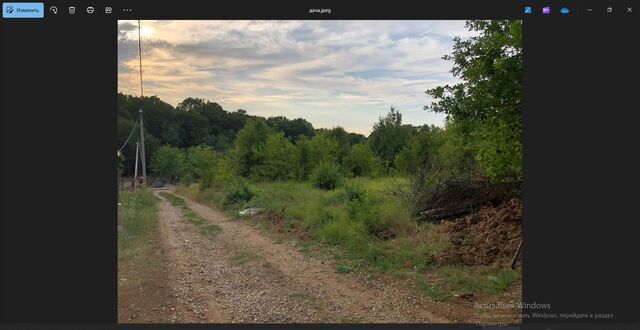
(319,171)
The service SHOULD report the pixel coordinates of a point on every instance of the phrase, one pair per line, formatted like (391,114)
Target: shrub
(354,192)
(200,161)
(362,207)
(279,158)
(326,176)
(224,172)
(248,149)
(169,162)
(238,193)
(362,161)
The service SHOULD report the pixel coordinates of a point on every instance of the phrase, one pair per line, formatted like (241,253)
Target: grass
(210,230)
(344,223)
(245,257)
(203,226)
(137,241)
(300,295)
(175,200)
(332,221)
(452,280)
(138,214)
(193,217)
(434,292)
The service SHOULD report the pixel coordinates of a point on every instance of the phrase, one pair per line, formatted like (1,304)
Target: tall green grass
(138,215)
(463,279)
(333,218)
(345,223)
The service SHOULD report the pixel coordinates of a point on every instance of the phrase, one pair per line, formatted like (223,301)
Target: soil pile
(492,234)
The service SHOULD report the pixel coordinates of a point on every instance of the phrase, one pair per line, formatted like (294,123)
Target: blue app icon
(564,10)
(23,10)
(528,10)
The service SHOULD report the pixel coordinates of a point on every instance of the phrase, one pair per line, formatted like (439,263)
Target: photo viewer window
(453,164)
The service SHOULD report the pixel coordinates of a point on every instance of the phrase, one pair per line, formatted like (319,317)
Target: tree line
(199,140)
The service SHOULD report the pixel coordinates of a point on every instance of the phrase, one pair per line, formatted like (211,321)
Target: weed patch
(209,230)
(245,257)
(434,292)
(139,217)
(202,225)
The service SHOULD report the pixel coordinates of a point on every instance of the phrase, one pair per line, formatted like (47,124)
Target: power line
(130,134)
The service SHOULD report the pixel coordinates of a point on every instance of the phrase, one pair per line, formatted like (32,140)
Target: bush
(279,158)
(239,193)
(169,162)
(326,176)
(362,161)
(362,207)
(200,161)
(354,192)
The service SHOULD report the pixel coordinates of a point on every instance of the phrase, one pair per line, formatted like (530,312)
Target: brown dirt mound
(492,234)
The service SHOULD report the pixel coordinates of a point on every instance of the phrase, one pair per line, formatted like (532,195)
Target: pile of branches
(454,198)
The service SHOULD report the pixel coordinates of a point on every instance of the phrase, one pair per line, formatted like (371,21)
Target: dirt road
(241,275)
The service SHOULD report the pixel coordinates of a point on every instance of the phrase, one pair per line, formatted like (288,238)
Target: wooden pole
(142,155)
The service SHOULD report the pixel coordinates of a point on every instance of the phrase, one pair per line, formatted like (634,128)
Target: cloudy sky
(332,73)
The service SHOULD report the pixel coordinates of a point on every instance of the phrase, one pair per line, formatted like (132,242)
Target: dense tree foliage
(420,150)
(363,161)
(292,129)
(169,162)
(389,136)
(279,158)
(200,163)
(248,152)
(489,97)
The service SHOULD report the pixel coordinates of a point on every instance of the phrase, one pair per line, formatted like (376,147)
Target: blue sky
(332,73)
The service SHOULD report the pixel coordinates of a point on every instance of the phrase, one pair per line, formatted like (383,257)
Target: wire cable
(130,134)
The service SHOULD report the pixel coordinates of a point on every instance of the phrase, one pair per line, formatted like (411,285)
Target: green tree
(303,156)
(292,129)
(248,149)
(326,175)
(169,162)
(356,138)
(343,141)
(419,151)
(201,163)
(323,148)
(363,161)
(279,158)
(224,172)
(194,130)
(389,136)
(490,67)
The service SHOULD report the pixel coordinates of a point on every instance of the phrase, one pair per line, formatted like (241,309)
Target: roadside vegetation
(138,215)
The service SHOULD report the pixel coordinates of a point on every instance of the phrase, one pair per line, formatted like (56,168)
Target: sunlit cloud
(332,73)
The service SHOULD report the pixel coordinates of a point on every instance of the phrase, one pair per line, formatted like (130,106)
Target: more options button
(22,10)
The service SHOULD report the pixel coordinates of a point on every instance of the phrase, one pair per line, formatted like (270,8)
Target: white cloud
(331,73)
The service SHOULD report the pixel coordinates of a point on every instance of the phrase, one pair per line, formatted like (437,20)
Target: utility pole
(142,155)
